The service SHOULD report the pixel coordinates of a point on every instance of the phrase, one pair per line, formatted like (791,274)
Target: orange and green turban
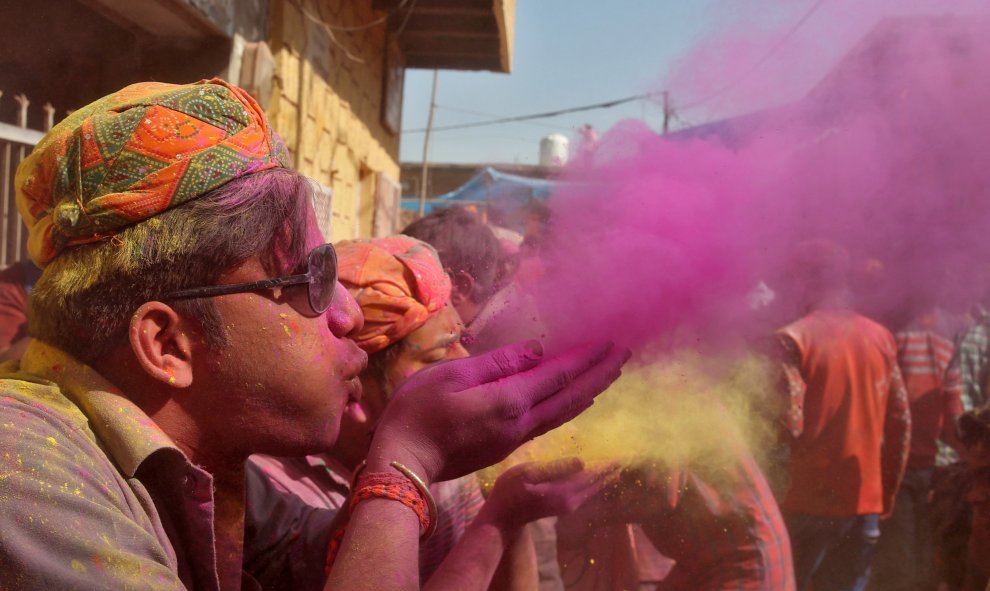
(135,154)
(398,282)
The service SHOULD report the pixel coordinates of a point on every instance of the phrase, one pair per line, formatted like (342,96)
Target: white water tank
(553,150)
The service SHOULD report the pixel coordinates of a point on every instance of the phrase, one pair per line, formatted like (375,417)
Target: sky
(569,53)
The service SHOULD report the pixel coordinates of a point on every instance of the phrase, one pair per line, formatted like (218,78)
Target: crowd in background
(883,449)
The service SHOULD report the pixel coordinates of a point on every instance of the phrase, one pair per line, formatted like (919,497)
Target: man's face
(287,377)
(439,339)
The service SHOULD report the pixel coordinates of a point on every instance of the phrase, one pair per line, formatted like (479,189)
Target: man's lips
(357,364)
(355,391)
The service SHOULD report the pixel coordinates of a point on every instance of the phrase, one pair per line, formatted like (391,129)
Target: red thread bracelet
(396,487)
(408,489)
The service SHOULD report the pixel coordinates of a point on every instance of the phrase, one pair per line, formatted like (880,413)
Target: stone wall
(327,103)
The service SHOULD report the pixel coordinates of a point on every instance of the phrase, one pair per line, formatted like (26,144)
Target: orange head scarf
(398,282)
(136,153)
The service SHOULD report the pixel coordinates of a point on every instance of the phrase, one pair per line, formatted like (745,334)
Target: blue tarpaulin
(490,187)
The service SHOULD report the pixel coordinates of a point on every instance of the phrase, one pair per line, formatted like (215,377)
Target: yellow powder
(681,409)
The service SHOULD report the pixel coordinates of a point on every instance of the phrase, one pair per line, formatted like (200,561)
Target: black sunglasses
(320,278)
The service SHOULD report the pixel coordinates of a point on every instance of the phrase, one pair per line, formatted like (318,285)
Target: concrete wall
(327,103)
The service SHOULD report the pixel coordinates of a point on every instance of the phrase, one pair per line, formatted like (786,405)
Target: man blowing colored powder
(847,421)
(409,325)
(188,316)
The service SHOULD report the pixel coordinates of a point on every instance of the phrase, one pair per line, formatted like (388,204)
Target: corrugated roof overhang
(455,34)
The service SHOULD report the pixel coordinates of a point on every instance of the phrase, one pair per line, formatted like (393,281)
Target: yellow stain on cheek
(52,442)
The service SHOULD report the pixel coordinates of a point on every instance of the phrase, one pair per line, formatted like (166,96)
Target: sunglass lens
(323,277)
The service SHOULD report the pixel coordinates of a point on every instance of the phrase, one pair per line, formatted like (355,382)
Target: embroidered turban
(135,154)
(398,282)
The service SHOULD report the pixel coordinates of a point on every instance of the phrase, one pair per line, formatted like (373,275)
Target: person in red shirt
(847,423)
(16,282)
(698,528)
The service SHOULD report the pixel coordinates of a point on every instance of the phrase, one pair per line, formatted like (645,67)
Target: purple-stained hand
(535,490)
(457,417)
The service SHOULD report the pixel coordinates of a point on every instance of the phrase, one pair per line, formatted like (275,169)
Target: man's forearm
(518,570)
(380,549)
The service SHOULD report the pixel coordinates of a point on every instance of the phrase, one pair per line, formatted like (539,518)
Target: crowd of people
(199,392)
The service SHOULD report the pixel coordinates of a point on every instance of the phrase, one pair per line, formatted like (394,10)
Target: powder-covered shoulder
(19,389)
(67,517)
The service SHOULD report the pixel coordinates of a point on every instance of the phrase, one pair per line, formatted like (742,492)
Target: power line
(773,50)
(544,115)
(497,116)
(405,21)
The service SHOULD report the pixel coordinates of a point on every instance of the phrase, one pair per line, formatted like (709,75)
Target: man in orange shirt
(847,421)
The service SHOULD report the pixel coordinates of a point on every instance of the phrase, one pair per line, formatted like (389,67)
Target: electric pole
(424,176)
(668,112)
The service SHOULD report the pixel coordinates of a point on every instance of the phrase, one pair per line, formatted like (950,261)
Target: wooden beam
(452,34)
(444,45)
(447,5)
(455,63)
(159,18)
(457,22)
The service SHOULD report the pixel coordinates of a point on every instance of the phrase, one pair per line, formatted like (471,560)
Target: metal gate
(16,142)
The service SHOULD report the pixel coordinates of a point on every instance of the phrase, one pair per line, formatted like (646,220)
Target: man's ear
(162,344)
(463,284)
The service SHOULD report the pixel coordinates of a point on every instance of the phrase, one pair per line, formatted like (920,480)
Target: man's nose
(344,316)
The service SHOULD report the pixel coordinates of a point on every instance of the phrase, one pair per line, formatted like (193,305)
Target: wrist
(385,450)
(493,518)
(497,515)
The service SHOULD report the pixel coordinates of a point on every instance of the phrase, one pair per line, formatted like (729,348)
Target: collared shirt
(848,413)
(93,494)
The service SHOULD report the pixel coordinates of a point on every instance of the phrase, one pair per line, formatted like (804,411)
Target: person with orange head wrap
(399,284)
(409,324)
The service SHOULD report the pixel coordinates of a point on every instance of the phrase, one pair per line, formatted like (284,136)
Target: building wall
(327,102)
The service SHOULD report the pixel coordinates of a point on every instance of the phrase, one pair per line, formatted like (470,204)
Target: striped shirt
(972,362)
(934,389)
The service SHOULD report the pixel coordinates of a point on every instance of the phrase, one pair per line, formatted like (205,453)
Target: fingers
(491,366)
(522,391)
(575,398)
(537,472)
(572,492)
